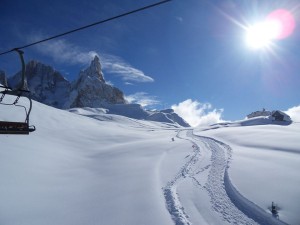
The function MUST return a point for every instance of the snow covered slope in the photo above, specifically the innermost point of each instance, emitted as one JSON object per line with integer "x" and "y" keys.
{"x": 109, "y": 169}
{"x": 265, "y": 163}
{"x": 134, "y": 111}
{"x": 80, "y": 170}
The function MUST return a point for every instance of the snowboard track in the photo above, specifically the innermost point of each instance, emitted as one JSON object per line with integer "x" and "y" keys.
{"x": 225, "y": 199}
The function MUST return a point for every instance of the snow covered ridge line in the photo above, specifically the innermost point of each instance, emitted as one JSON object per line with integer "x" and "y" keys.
{"x": 89, "y": 90}
{"x": 250, "y": 209}
{"x": 134, "y": 111}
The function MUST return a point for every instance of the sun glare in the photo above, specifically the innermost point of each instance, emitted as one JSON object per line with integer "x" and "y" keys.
{"x": 261, "y": 34}
{"x": 278, "y": 24}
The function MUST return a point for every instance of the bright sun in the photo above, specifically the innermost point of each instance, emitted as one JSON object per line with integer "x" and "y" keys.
{"x": 262, "y": 34}
{"x": 279, "y": 24}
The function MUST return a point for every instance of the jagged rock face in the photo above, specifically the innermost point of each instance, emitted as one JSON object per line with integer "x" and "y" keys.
{"x": 94, "y": 70}
{"x": 3, "y": 79}
{"x": 50, "y": 87}
{"x": 90, "y": 90}
{"x": 46, "y": 84}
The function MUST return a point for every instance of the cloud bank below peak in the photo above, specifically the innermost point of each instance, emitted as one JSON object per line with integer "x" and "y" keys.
{"x": 198, "y": 114}
{"x": 143, "y": 99}
{"x": 294, "y": 113}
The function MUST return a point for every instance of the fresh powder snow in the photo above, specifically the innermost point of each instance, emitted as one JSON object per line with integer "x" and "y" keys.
{"x": 85, "y": 166}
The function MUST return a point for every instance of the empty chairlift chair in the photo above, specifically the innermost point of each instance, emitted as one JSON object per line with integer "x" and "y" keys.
{"x": 23, "y": 127}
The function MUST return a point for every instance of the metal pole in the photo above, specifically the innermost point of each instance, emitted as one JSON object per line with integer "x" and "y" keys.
{"x": 22, "y": 85}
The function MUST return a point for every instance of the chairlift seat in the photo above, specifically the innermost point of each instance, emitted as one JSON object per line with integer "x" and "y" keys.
{"x": 15, "y": 128}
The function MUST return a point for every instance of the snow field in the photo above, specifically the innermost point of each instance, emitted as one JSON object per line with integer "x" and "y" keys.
{"x": 78, "y": 170}
{"x": 95, "y": 168}
{"x": 264, "y": 165}
{"x": 220, "y": 205}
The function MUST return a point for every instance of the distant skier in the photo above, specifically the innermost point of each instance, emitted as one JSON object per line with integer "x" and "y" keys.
{"x": 173, "y": 139}
{"x": 274, "y": 210}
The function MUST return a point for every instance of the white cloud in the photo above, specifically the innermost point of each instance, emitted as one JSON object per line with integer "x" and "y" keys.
{"x": 64, "y": 52}
{"x": 179, "y": 18}
{"x": 294, "y": 113}
{"x": 116, "y": 65}
{"x": 142, "y": 98}
{"x": 198, "y": 114}
{"x": 128, "y": 83}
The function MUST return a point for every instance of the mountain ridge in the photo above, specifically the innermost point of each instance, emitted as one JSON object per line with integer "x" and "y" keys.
{"x": 90, "y": 89}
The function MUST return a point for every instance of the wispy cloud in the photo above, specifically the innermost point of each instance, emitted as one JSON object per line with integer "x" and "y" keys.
{"x": 143, "y": 99}
{"x": 128, "y": 83}
{"x": 294, "y": 113}
{"x": 179, "y": 19}
{"x": 64, "y": 52}
{"x": 116, "y": 65}
{"x": 198, "y": 114}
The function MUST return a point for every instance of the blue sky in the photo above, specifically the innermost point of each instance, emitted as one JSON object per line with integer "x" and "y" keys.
{"x": 188, "y": 54}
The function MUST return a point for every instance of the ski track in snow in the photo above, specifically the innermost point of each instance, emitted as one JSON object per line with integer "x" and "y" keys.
{"x": 174, "y": 206}
{"x": 224, "y": 198}
{"x": 220, "y": 201}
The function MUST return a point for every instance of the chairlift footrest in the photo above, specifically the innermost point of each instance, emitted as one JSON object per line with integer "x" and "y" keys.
{"x": 15, "y": 128}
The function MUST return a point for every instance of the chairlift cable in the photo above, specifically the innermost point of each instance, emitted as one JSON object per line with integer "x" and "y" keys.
{"x": 87, "y": 26}
{"x": 9, "y": 127}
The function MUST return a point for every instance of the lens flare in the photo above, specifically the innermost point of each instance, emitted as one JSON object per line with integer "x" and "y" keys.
{"x": 279, "y": 24}
{"x": 286, "y": 21}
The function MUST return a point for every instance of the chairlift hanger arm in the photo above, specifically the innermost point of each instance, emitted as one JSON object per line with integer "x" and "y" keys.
{"x": 21, "y": 53}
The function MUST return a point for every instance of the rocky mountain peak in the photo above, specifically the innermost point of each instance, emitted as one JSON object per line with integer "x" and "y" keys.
{"x": 45, "y": 84}
{"x": 48, "y": 86}
{"x": 90, "y": 89}
{"x": 93, "y": 71}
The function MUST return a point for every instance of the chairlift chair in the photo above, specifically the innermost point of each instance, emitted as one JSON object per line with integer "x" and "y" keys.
{"x": 9, "y": 127}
